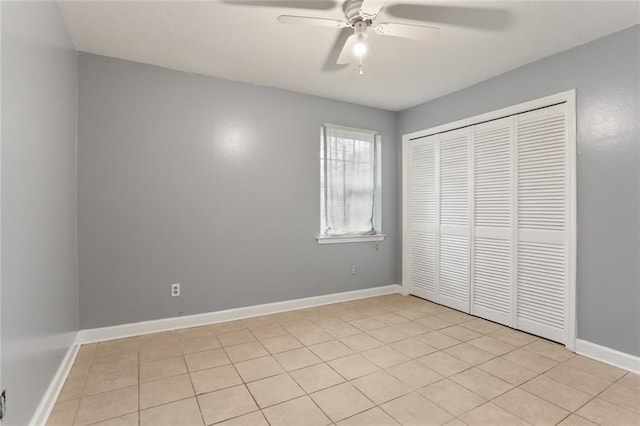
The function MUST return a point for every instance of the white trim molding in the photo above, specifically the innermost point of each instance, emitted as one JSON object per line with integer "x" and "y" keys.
{"x": 608, "y": 355}
{"x": 351, "y": 239}
{"x": 48, "y": 401}
{"x": 166, "y": 324}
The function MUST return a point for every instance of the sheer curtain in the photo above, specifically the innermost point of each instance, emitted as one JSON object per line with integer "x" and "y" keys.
{"x": 348, "y": 181}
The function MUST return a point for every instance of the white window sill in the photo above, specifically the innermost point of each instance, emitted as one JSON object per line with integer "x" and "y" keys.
{"x": 351, "y": 239}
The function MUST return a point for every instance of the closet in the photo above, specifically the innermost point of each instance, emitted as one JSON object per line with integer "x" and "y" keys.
{"x": 489, "y": 216}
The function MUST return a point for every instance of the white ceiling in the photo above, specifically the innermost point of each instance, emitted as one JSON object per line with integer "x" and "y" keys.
{"x": 246, "y": 43}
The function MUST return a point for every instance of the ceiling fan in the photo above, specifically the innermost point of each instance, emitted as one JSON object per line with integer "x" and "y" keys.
{"x": 361, "y": 16}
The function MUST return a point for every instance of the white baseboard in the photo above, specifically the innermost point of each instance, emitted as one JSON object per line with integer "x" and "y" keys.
{"x": 165, "y": 324}
{"x": 608, "y": 355}
{"x": 51, "y": 395}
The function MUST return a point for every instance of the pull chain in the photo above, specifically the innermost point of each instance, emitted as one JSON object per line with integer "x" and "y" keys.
{"x": 360, "y": 66}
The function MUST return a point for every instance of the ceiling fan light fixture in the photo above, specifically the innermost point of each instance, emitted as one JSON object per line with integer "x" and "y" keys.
{"x": 360, "y": 48}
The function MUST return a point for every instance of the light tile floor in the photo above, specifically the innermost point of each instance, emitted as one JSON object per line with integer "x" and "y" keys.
{"x": 380, "y": 361}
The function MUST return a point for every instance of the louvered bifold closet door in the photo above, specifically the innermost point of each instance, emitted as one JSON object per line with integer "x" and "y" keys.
{"x": 423, "y": 218}
{"x": 492, "y": 270}
{"x": 542, "y": 256}
{"x": 453, "y": 289}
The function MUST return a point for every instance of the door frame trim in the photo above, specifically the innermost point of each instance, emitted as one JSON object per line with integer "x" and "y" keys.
{"x": 568, "y": 97}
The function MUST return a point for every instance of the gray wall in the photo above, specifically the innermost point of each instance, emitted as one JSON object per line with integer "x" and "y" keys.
{"x": 39, "y": 202}
{"x": 606, "y": 76}
{"x": 212, "y": 184}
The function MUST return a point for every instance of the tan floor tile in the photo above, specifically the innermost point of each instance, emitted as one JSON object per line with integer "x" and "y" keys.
{"x": 414, "y": 374}
{"x": 631, "y": 381}
{"x": 412, "y": 328}
{"x": 283, "y": 343}
{"x": 312, "y": 336}
{"x": 388, "y": 334}
{"x": 160, "y": 339}
{"x": 361, "y": 342}
{"x": 165, "y": 390}
{"x": 341, "y": 329}
{"x": 86, "y": 352}
{"x": 455, "y": 317}
{"x": 300, "y": 411}
{"x": 491, "y": 415}
{"x": 390, "y": 318}
{"x": 63, "y": 413}
{"x": 557, "y": 393}
{"x": 385, "y": 356}
{"x": 268, "y": 331}
{"x": 191, "y": 332}
{"x": 491, "y": 345}
{"x": 184, "y": 413}
{"x": 413, "y": 347}
{"x": 208, "y": 359}
{"x": 80, "y": 368}
{"x": 381, "y": 387}
{"x": 373, "y": 417}
{"x": 128, "y": 420}
{"x": 252, "y": 419}
{"x": 213, "y": 379}
{"x": 576, "y": 420}
{"x": 482, "y": 383}
{"x": 226, "y": 404}
{"x": 330, "y": 350}
{"x": 444, "y": 363}
{"x": 508, "y": 371}
{"x": 452, "y": 397}
{"x": 316, "y": 377}
{"x": 514, "y": 337}
{"x": 482, "y": 326}
{"x": 107, "y": 405}
{"x": 163, "y": 368}
{"x": 102, "y": 381}
{"x": 341, "y": 401}
{"x": 297, "y": 358}
{"x": 233, "y": 338}
{"x": 115, "y": 361}
{"x": 531, "y": 408}
{"x": 622, "y": 397}
{"x": 367, "y": 324}
{"x": 353, "y": 366}
{"x": 469, "y": 354}
{"x": 199, "y": 344}
{"x": 438, "y": 340}
{"x": 549, "y": 350}
{"x": 117, "y": 345}
{"x": 434, "y": 322}
{"x": 460, "y": 333}
{"x": 155, "y": 353}
{"x": 245, "y": 351}
{"x": 578, "y": 379}
{"x": 530, "y": 360}
{"x": 350, "y": 314}
{"x": 414, "y": 409}
{"x": 411, "y": 313}
{"x": 596, "y": 368}
{"x": 72, "y": 388}
{"x": 258, "y": 368}
{"x": 274, "y": 390}
{"x": 605, "y": 413}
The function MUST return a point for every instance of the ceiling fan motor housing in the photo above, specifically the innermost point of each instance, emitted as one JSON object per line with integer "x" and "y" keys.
{"x": 351, "y": 9}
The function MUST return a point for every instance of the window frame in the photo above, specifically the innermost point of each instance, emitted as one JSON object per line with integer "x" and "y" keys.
{"x": 377, "y": 191}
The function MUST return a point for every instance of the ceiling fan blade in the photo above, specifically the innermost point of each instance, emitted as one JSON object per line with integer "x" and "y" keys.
{"x": 331, "y": 61}
{"x": 473, "y": 17}
{"x": 370, "y": 8}
{"x": 293, "y": 4}
{"x": 346, "y": 54}
{"x": 414, "y": 32}
{"x": 308, "y": 20}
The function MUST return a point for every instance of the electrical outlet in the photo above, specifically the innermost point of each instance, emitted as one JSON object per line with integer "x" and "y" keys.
{"x": 175, "y": 290}
{"x": 354, "y": 270}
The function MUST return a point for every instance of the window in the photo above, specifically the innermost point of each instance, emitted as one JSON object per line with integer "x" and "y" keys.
{"x": 349, "y": 185}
